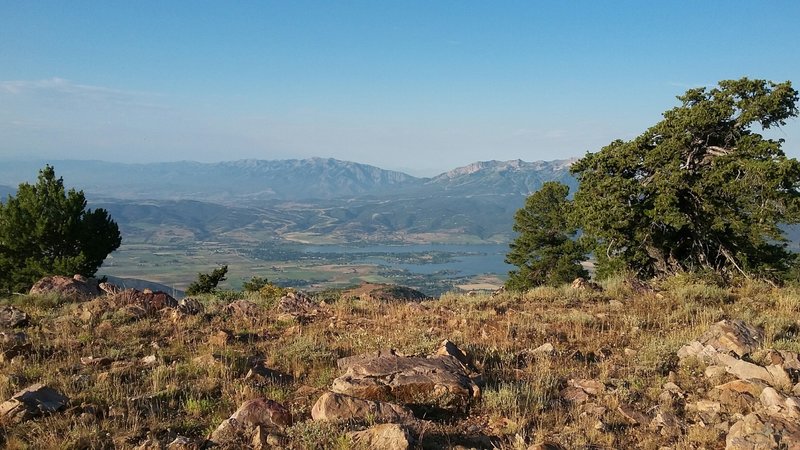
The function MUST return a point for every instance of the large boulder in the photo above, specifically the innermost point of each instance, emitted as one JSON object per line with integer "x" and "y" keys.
{"x": 437, "y": 383}
{"x": 11, "y": 317}
{"x": 31, "y": 402}
{"x": 332, "y": 407}
{"x": 257, "y": 416}
{"x": 76, "y": 287}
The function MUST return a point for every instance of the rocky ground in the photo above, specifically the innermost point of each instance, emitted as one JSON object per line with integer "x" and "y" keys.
{"x": 677, "y": 364}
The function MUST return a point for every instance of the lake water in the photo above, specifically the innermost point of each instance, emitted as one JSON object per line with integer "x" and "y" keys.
{"x": 460, "y": 260}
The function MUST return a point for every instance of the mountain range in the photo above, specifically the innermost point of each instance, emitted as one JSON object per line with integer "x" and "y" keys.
{"x": 296, "y": 199}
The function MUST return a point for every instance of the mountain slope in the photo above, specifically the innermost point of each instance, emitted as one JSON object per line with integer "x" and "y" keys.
{"x": 503, "y": 177}
{"x": 245, "y": 180}
{"x": 253, "y": 200}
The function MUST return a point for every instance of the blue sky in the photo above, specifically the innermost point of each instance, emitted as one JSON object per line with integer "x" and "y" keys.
{"x": 418, "y": 86}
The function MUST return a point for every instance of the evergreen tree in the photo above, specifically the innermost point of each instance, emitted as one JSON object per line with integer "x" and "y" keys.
{"x": 206, "y": 283}
{"x": 701, "y": 190}
{"x": 46, "y": 230}
{"x": 545, "y": 251}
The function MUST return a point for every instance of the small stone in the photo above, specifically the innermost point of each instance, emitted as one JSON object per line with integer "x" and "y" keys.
{"x": 12, "y": 317}
{"x": 96, "y": 362}
{"x": 221, "y": 338}
{"x": 632, "y": 416}
{"x": 544, "y": 349}
{"x": 616, "y": 304}
{"x": 149, "y": 360}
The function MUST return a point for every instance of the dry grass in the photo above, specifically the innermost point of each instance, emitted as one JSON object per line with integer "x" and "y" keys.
{"x": 624, "y": 338}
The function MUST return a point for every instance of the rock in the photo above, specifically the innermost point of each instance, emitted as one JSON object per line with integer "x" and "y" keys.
{"x": 593, "y": 409}
{"x": 149, "y": 360}
{"x": 110, "y": 289}
{"x": 591, "y": 387}
{"x": 733, "y": 336}
{"x": 763, "y": 431}
{"x": 579, "y": 391}
{"x": 694, "y": 349}
{"x": 666, "y": 423}
{"x": 738, "y": 395}
{"x": 632, "y": 416}
{"x": 251, "y": 416}
{"x": 95, "y": 362}
{"x": 242, "y": 308}
{"x": 184, "y": 443}
{"x": 707, "y": 410}
{"x": 76, "y": 287}
{"x": 260, "y": 371}
{"x": 574, "y": 395}
{"x": 438, "y": 382}
{"x": 715, "y": 371}
{"x": 447, "y": 348}
{"x": 151, "y": 443}
{"x": 31, "y": 402}
{"x": 780, "y": 404}
{"x": 190, "y": 306}
{"x": 389, "y": 436}
{"x": 11, "y": 317}
{"x": 13, "y": 344}
{"x": 221, "y": 338}
{"x": 544, "y": 349}
{"x": 150, "y": 302}
{"x": 333, "y": 407}
{"x": 298, "y": 307}
{"x": 773, "y": 375}
{"x": 585, "y": 285}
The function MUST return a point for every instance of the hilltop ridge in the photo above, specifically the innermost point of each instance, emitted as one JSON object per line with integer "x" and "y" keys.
{"x": 252, "y": 181}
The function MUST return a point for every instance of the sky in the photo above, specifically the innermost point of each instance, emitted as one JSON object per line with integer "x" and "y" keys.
{"x": 418, "y": 86}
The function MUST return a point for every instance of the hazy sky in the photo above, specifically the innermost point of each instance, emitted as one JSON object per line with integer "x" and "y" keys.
{"x": 418, "y": 86}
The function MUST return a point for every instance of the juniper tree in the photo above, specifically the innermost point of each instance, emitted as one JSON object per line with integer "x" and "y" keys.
{"x": 700, "y": 190}
{"x": 545, "y": 251}
{"x": 47, "y": 230}
{"x": 206, "y": 283}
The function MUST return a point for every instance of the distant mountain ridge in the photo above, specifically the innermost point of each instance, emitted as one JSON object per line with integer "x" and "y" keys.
{"x": 287, "y": 180}
{"x": 343, "y": 201}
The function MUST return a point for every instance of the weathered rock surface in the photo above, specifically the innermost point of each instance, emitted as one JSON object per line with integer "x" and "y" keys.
{"x": 580, "y": 391}
{"x": 439, "y": 382}
{"x": 252, "y": 417}
{"x": 333, "y": 407}
{"x": 31, "y": 402}
{"x": 150, "y": 302}
{"x": 763, "y": 431}
{"x": 190, "y": 306}
{"x": 731, "y": 336}
{"x": 11, "y": 317}
{"x": 13, "y": 344}
{"x": 76, "y": 287}
{"x": 585, "y": 285}
{"x": 260, "y": 371}
{"x": 242, "y": 308}
{"x": 389, "y": 436}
